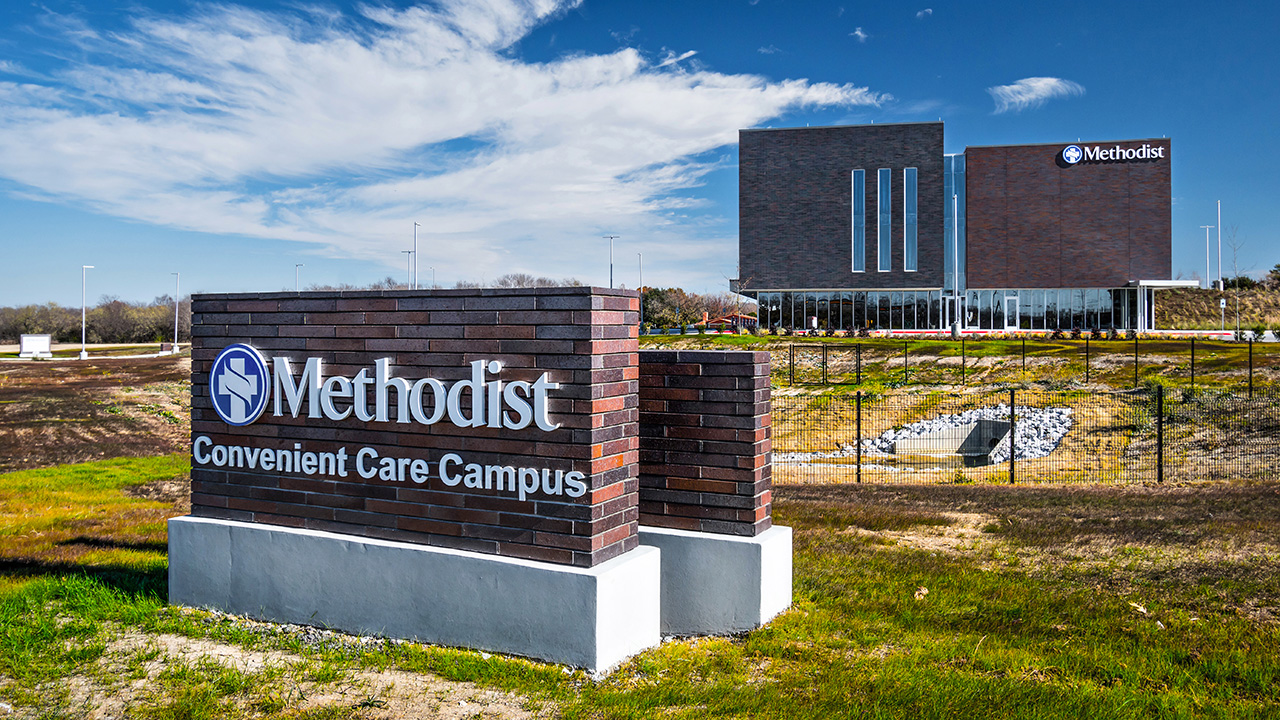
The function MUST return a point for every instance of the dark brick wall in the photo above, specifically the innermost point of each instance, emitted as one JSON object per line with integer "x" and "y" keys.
{"x": 795, "y": 224}
{"x": 705, "y": 441}
{"x": 584, "y": 337}
{"x": 1033, "y": 222}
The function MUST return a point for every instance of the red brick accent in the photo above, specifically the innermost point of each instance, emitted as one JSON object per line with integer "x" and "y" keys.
{"x": 705, "y": 441}
{"x": 584, "y": 338}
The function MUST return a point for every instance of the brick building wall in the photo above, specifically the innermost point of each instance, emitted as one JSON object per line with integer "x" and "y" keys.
{"x": 705, "y": 441}
{"x": 584, "y": 338}
{"x": 1034, "y": 221}
{"x": 795, "y": 205}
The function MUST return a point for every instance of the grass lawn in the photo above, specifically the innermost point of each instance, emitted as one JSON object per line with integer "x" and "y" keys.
{"x": 913, "y": 602}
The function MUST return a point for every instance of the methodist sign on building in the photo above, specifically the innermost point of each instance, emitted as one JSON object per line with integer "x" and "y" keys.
{"x": 465, "y": 467}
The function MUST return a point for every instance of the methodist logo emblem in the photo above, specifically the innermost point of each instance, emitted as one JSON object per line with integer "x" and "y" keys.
{"x": 238, "y": 384}
{"x": 1072, "y": 154}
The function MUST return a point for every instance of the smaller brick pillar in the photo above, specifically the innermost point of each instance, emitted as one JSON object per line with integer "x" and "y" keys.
{"x": 705, "y": 441}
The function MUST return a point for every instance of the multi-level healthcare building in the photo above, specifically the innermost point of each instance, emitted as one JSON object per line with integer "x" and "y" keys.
{"x": 873, "y": 226}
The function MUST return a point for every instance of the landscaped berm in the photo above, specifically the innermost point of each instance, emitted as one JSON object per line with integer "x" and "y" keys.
{"x": 912, "y": 601}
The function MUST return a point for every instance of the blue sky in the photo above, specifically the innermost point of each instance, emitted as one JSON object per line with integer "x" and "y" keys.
{"x": 230, "y": 141}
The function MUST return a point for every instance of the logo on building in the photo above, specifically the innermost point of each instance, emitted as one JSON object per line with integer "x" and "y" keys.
{"x": 239, "y": 384}
{"x": 1091, "y": 154}
{"x": 1072, "y": 154}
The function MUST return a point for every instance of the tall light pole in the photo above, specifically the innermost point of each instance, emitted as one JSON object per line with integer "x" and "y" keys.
{"x": 177, "y": 294}
{"x": 1220, "y": 245}
{"x": 415, "y": 256}
{"x": 955, "y": 263}
{"x": 409, "y": 256}
{"x": 296, "y": 275}
{"x": 433, "y": 277}
{"x": 611, "y": 238}
{"x": 84, "y": 273}
{"x": 1208, "y": 282}
{"x": 640, "y": 259}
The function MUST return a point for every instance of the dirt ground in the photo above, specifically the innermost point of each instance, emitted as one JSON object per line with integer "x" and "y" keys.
{"x": 56, "y": 412}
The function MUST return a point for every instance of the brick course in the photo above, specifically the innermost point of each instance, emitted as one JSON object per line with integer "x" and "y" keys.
{"x": 584, "y": 338}
{"x": 705, "y": 441}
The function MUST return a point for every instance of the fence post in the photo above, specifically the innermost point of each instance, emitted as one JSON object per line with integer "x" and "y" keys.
{"x": 1251, "y": 368}
{"x": 1193, "y": 363}
{"x": 1013, "y": 437}
{"x": 906, "y": 362}
{"x": 1086, "y": 361}
{"x": 824, "y": 363}
{"x": 1159, "y": 433}
{"x": 858, "y": 433}
{"x": 792, "y": 378}
{"x": 1135, "y": 361}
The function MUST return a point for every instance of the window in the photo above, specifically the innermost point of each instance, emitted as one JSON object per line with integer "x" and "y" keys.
{"x": 909, "y": 219}
{"x": 884, "y": 220}
{"x": 859, "y": 197}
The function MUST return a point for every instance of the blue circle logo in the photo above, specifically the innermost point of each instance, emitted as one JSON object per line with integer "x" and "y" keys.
{"x": 1072, "y": 154}
{"x": 238, "y": 384}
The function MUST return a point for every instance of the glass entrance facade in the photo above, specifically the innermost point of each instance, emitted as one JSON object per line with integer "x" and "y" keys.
{"x": 1047, "y": 310}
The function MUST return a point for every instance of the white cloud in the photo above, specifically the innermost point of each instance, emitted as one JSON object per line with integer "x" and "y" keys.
{"x": 924, "y": 13}
{"x": 1032, "y": 93}
{"x": 341, "y": 131}
{"x": 769, "y": 50}
{"x": 858, "y": 33}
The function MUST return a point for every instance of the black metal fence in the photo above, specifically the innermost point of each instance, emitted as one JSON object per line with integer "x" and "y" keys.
{"x": 1245, "y": 366}
{"x": 1136, "y": 436}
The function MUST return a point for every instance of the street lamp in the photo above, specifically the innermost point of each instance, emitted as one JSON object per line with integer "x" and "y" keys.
{"x": 177, "y": 293}
{"x": 409, "y": 256}
{"x": 1220, "y": 246}
{"x": 84, "y": 355}
{"x": 295, "y": 275}
{"x": 433, "y": 277}
{"x": 415, "y": 256}
{"x": 611, "y": 238}
{"x": 1207, "y": 281}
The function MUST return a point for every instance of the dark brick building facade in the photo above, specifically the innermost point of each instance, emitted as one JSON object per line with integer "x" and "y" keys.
{"x": 1050, "y": 236}
{"x": 1035, "y": 221}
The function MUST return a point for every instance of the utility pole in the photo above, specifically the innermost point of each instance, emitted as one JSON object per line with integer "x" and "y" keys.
{"x": 409, "y": 256}
{"x": 611, "y": 238}
{"x": 414, "y": 282}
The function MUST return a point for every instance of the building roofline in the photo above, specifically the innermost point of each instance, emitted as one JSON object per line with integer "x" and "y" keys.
{"x": 1063, "y": 143}
{"x": 837, "y": 127}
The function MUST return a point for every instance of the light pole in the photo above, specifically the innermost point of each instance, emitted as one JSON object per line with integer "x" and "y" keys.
{"x": 84, "y": 273}
{"x": 296, "y": 267}
{"x": 1220, "y": 246}
{"x": 955, "y": 264}
{"x": 415, "y": 256}
{"x": 177, "y": 294}
{"x": 433, "y": 277}
{"x": 409, "y": 256}
{"x": 1207, "y": 281}
{"x": 640, "y": 260}
{"x": 611, "y": 238}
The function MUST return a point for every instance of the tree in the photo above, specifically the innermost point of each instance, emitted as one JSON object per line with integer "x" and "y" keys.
{"x": 1271, "y": 280}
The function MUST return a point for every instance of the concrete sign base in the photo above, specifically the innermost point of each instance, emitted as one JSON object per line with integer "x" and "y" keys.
{"x": 586, "y": 617}
{"x": 716, "y": 584}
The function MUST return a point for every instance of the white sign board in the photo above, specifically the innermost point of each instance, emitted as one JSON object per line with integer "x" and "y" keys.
{"x": 34, "y": 346}
{"x": 1222, "y": 303}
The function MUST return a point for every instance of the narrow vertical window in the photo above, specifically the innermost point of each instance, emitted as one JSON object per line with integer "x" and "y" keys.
{"x": 859, "y": 197}
{"x": 909, "y": 219}
{"x": 884, "y": 220}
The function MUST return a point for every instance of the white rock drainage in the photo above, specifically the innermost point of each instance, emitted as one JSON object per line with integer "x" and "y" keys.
{"x": 1039, "y": 431}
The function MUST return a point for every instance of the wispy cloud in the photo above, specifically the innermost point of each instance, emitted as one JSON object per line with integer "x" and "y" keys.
{"x": 924, "y": 13}
{"x": 769, "y": 50}
{"x": 860, "y": 34}
{"x": 340, "y": 131}
{"x": 1032, "y": 93}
